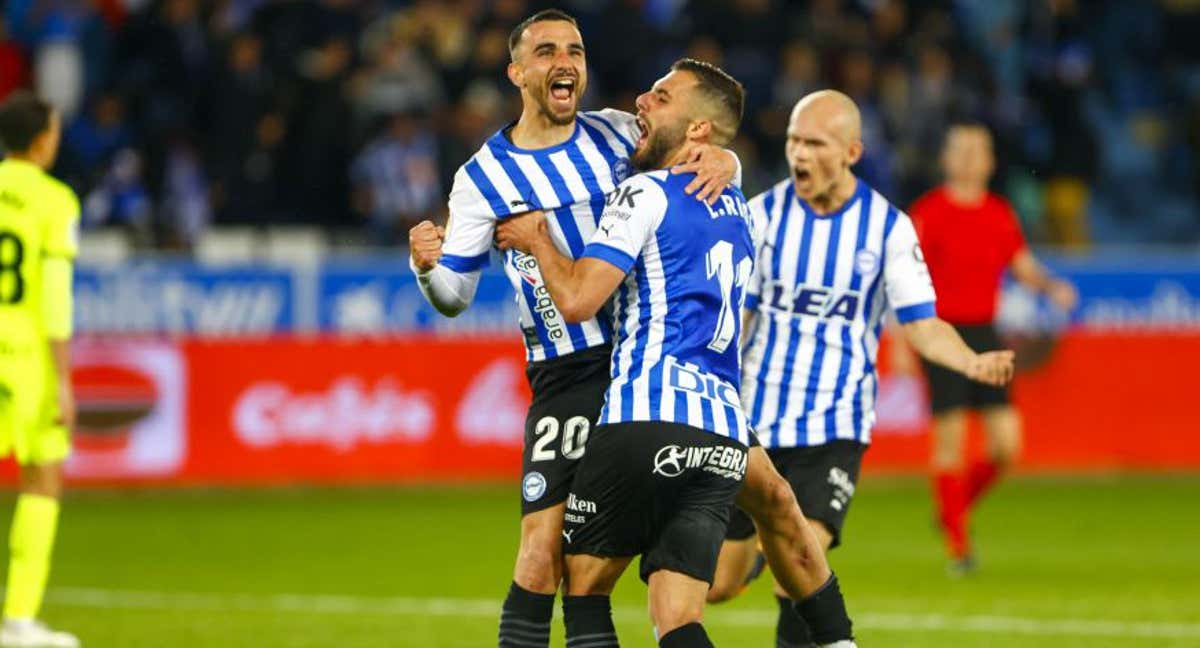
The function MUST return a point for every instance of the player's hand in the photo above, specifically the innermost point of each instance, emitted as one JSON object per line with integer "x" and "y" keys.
{"x": 1062, "y": 294}
{"x": 993, "y": 368}
{"x": 425, "y": 244}
{"x": 519, "y": 232}
{"x": 66, "y": 404}
{"x": 714, "y": 168}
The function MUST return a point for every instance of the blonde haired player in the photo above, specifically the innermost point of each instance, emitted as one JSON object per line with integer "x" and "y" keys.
{"x": 38, "y": 221}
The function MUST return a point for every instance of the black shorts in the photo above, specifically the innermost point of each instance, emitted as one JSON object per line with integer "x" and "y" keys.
{"x": 823, "y": 477}
{"x": 951, "y": 390}
{"x": 662, "y": 490}
{"x": 568, "y": 393}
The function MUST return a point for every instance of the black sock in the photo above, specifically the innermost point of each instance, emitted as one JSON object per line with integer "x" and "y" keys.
{"x": 825, "y": 613}
{"x": 691, "y": 635}
{"x": 791, "y": 631}
{"x": 525, "y": 618}
{"x": 589, "y": 622}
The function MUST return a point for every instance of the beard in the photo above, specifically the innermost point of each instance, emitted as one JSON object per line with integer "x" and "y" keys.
{"x": 543, "y": 101}
{"x": 658, "y": 147}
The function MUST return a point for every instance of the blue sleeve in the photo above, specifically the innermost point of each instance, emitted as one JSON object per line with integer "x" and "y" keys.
{"x": 610, "y": 254}
{"x": 459, "y": 263}
{"x": 915, "y": 312}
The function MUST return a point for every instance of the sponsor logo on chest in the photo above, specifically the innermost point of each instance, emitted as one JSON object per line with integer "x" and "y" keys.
{"x": 543, "y": 307}
{"x": 823, "y": 302}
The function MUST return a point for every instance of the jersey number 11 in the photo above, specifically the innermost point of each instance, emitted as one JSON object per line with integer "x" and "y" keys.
{"x": 719, "y": 263}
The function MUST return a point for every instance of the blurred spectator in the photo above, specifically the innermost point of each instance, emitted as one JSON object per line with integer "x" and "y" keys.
{"x": 858, "y": 81}
{"x": 396, "y": 178}
{"x": 120, "y": 198}
{"x": 185, "y": 210}
{"x": 1092, "y": 103}
{"x": 889, "y": 25}
{"x": 249, "y": 191}
{"x": 935, "y": 101}
{"x": 317, "y": 151}
{"x": 1059, "y": 80}
{"x": 167, "y": 60}
{"x": 242, "y": 95}
{"x": 396, "y": 76}
{"x": 480, "y": 113}
{"x": 93, "y": 138}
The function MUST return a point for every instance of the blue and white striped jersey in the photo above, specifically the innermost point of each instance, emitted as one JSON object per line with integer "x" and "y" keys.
{"x": 821, "y": 285}
{"x": 678, "y": 312}
{"x": 569, "y": 181}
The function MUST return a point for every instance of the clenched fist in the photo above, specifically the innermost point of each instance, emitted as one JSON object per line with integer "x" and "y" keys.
{"x": 425, "y": 244}
{"x": 994, "y": 368}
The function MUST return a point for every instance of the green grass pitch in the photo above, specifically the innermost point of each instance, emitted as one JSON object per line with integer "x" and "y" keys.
{"x": 1064, "y": 562}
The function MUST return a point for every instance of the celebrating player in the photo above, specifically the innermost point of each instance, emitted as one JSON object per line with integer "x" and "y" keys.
{"x": 38, "y": 222}
{"x": 564, "y": 162}
{"x": 970, "y": 236}
{"x": 669, "y": 455}
{"x": 835, "y": 256}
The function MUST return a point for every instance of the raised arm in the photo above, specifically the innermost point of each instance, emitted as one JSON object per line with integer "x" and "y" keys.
{"x": 447, "y": 289}
{"x": 447, "y": 261}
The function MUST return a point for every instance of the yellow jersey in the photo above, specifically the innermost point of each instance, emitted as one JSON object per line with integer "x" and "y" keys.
{"x": 39, "y": 218}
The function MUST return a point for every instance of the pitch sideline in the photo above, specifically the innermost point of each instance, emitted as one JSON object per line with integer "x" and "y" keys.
{"x": 340, "y": 604}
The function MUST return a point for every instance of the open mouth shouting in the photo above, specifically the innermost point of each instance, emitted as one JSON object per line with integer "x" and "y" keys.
{"x": 644, "y": 133}
{"x": 562, "y": 92}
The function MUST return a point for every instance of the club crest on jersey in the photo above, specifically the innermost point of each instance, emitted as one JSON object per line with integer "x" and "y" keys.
{"x": 866, "y": 262}
{"x": 816, "y": 301}
{"x": 533, "y": 486}
{"x": 621, "y": 170}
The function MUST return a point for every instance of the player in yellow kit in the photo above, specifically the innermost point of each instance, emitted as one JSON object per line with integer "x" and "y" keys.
{"x": 39, "y": 217}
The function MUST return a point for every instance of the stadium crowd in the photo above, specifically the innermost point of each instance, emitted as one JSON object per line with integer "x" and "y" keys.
{"x": 354, "y": 114}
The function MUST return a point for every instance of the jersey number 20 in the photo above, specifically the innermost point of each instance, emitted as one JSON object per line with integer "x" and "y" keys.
{"x": 574, "y": 437}
{"x": 719, "y": 263}
{"x": 12, "y": 254}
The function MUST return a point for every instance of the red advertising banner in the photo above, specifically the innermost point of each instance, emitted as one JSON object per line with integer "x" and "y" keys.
{"x": 412, "y": 409}
{"x": 1098, "y": 401}
{"x": 418, "y": 409}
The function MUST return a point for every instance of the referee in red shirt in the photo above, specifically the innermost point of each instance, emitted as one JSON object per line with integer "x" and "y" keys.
{"x": 970, "y": 236}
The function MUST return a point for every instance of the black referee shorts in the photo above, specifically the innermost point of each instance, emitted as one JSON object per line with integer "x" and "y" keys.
{"x": 949, "y": 390}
